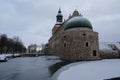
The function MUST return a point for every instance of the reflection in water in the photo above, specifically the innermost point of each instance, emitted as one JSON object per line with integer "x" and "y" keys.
{"x": 57, "y": 66}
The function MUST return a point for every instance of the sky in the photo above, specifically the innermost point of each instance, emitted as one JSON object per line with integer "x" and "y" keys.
{"x": 33, "y": 20}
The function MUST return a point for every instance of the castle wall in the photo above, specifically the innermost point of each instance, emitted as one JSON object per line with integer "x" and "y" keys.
{"x": 75, "y": 39}
{"x": 109, "y": 55}
{"x": 76, "y": 44}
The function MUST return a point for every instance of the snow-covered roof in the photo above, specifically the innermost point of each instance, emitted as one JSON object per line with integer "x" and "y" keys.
{"x": 109, "y": 46}
{"x": 117, "y": 44}
{"x": 78, "y": 22}
{"x": 58, "y": 22}
{"x": 103, "y": 46}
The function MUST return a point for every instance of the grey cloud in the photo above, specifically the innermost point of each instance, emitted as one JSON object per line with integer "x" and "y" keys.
{"x": 33, "y": 20}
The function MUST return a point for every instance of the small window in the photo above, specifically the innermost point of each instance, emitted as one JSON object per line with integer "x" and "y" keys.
{"x": 76, "y": 53}
{"x": 86, "y": 44}
{"x": 114, "y": 49}
{"x": 84, "y": 34}
{"x": 94, "y": 53}
{"x": 65, "y": 45}
{"x": 64, "y": 37}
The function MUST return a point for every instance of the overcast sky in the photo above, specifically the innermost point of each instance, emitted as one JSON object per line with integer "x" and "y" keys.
{"x": 32, "y": 20}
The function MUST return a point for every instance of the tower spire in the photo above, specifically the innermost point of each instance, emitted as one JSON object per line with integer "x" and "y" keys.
{"x": 59, "y": 11}
{"x": 59, "y": 17}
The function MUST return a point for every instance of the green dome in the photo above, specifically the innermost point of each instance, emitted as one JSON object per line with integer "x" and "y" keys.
{"x": 77, "y": 22}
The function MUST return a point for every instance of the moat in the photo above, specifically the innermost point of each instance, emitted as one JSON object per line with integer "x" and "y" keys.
{"x": 30, "y": 68}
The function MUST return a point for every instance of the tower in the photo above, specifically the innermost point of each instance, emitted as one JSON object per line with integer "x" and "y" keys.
{"x": 74, "y": 39}
{"x": 59, "y": 20}
{"x": 59, "y": 17}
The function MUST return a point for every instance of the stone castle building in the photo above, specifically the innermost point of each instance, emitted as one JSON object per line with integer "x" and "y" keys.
{"x": 74, "y": 38}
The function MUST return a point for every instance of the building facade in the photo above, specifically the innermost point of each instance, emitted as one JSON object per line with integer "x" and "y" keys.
{"x": 32, "y": 48}
{"x": 74, "y": 38}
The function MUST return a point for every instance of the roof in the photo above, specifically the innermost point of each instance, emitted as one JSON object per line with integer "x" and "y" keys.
{"x": 105, "y": 46}
{"x": 77, "y": 22}
{"x": 117, "y": 45}
{"x": 59, "y": 12}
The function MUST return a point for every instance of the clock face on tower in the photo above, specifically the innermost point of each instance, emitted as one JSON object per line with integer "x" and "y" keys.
{"x": 59, "y": 19}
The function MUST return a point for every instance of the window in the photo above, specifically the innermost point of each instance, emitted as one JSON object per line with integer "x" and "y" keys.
{"x": 64, "y": 37}
{"x": 114, "y": 49}
{"x": 65, "y": 45}
{"x": 84, "y": 34}
{"x": 86, "y": 44}
{"x": 94, "y": 53}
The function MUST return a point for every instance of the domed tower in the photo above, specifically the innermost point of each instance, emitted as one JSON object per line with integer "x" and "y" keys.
{"x": 79, "y": 41}
{"x": 75, "y": 38}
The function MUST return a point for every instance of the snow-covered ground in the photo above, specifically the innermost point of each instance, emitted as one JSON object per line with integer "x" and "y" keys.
{"x": 89, "y": 70}
{"x": 2, "y": 57}
{"x": 10, "y": 54}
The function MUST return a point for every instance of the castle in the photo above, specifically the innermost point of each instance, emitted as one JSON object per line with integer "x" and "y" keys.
{"x": 75, "y": 39}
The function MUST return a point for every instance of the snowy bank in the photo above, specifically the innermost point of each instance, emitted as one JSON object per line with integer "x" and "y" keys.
{"x": 89, "y": 70}
{"x": 11, "y": 55}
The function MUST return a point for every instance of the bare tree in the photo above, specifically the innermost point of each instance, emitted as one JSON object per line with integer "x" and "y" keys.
{"x": 9, "y": 45}
{"x": 3, "y": 43}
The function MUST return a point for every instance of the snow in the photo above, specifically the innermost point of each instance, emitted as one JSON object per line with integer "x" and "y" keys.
{"x": 89, "y": 70}
{"x": 2, "y": 57}
{"x": 77, "y": 18}
{"x": 117, "y": 45}
{"x": 103, "y": 46}
{"x": 58, "y": 23}
{"x": 9, "y": 55}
